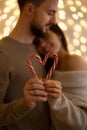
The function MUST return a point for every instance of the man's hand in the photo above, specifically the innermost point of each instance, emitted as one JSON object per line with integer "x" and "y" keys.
{"x": 34, "y": 91}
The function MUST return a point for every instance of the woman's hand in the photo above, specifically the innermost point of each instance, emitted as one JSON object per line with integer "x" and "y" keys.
{"x": 53, "y": 88}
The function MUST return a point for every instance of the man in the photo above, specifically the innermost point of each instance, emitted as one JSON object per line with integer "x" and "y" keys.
{"x": 35, "y": 16}
{"x": 23, "y": 99}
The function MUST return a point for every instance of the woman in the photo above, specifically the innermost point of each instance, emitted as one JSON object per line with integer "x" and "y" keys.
{"x": 69, "y": 112}
{"x": 55, "y": 41}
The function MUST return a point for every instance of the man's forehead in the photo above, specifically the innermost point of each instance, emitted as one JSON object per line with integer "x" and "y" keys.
{"x": 50, "y": 4}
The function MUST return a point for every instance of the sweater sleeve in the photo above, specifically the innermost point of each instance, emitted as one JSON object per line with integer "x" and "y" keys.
{"x": 66, "y": 115}
{"x": 14, "y": 110}
{"x": 69, "y": 111}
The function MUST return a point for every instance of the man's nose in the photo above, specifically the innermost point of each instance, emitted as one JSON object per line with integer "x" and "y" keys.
{"x": 53, "y": 19}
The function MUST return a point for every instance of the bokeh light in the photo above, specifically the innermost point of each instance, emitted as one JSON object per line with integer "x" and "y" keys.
{"x": 74, "y": 25}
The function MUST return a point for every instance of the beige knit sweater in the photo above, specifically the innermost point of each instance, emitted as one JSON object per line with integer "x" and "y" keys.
{"x": 69, "y": 112}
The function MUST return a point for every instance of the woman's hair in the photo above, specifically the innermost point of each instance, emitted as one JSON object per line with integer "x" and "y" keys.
{"x": 22, "y": 3}
{"x": 58, "y": 31}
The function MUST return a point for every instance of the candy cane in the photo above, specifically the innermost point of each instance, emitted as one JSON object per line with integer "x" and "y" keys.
{"x": 49, "y": 54}
{"x": 55, "y": 56}
{"x": 30, "y": 64}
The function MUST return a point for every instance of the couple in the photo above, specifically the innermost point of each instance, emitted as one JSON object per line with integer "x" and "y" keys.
{"x": 30, "y": 103}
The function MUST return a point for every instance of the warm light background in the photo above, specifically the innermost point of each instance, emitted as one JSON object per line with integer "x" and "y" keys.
{"x": 71, "y": 17}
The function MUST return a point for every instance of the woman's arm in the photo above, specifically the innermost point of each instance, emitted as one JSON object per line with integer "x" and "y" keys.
{"x": 65, "y": 115}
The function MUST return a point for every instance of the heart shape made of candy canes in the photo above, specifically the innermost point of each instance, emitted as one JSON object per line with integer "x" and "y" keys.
{"x": 49, "y": 54}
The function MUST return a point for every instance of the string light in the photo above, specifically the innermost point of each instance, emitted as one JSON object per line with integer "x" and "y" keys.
{"x": 75, "y": 21}
{"x": 71, "y": 17}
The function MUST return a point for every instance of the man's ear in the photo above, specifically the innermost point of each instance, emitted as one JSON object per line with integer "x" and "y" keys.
{"x": 29, "y": 8}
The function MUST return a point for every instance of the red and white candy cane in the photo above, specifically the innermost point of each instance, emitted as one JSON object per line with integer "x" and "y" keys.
{"x": 49, "y": 54}
{"x": 55, "y": 56}
{"x": 30, "y": 63}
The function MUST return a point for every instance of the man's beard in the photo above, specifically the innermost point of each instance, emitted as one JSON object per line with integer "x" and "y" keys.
{"x": 37, "y": 31}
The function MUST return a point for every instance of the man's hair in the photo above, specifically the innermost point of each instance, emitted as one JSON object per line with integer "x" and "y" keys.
{"x": 22, "y": 3}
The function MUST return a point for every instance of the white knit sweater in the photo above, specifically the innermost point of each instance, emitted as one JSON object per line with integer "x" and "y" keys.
{"x": 69, "y": 112}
